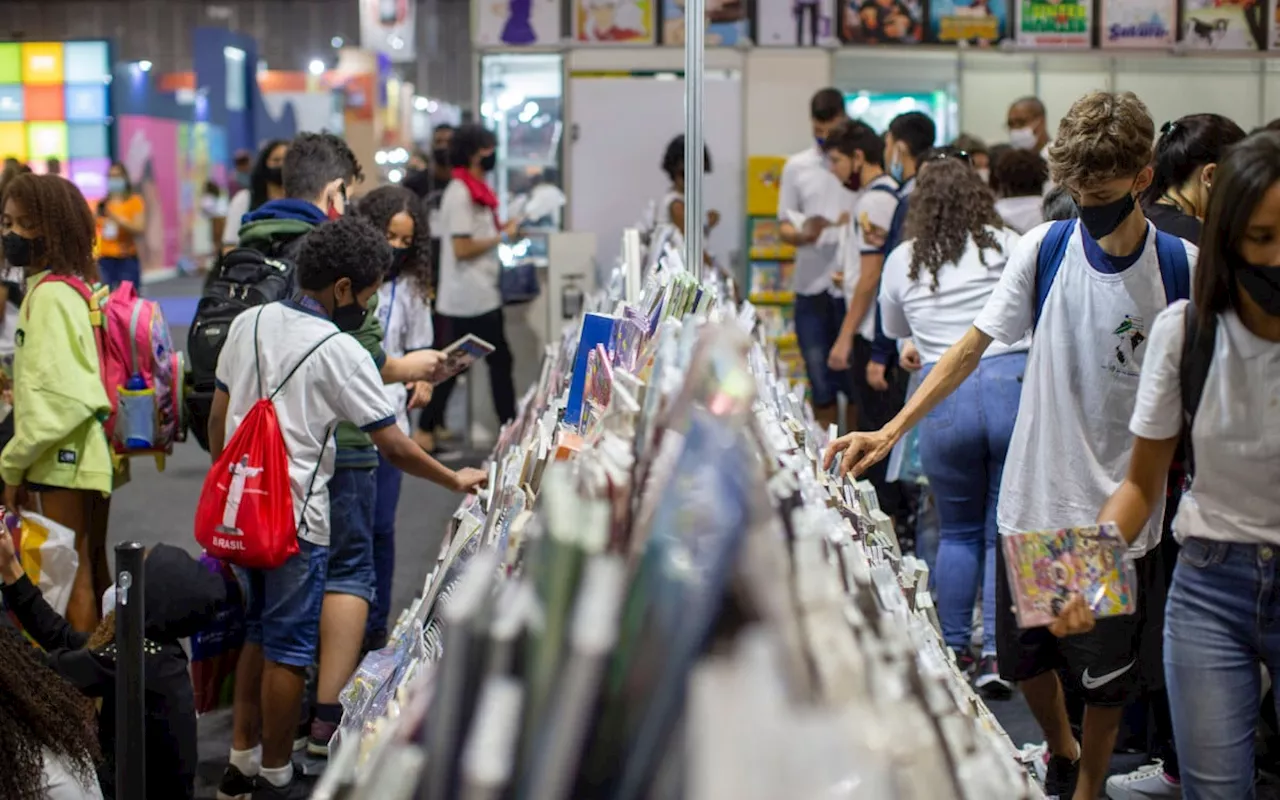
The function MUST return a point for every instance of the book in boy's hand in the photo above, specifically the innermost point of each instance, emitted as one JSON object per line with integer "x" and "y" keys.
{"x": 1046, "y": 567}
{"x": 459, "y": 356}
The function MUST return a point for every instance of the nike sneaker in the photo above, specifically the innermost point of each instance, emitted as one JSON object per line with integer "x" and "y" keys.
{"x": 1060, "y": 776}
{"x": 1146, "y": 783}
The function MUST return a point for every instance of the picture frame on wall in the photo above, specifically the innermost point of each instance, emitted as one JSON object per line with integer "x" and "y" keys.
{"x": 881, "y": 21}
{"x": 980, "y": 22}
{"x": 614, "y": 21}
{"x": 1225, "y": 24}
{"x": 795, "y": 23}
{"x": 1056, "y": 24}
{"x": 1138, "y": 23}
{"x": 516, "y": 23}
{"x": 728, "y": 22}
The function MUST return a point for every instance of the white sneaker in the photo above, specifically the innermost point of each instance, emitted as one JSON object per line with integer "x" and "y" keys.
{"x": 1144, "y": 783}
{"x": 1035, "y": 757}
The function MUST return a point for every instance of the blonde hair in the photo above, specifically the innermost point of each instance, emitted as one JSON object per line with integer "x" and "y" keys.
{"x": 1105, "y": 135}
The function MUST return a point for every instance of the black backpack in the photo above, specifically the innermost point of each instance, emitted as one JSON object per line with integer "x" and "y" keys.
{"x": 1199, "y": 338}
{"x": 243, "y": 278}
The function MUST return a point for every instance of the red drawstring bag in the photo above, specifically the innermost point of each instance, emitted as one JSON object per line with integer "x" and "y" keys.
{"x": 245, "y": 515}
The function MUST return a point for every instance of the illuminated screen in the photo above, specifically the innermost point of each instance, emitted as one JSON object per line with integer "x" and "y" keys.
{"x": 55, "y": 102}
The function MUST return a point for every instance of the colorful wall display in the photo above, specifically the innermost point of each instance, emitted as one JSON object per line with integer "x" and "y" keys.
{"x": 55, "y": 103}
{"x": 794, "y": 23}
{"x": 975, "y": 21}
{"x": 614, "y": 21}
{"x": 881, "y": 21}
{"x": 727, "y": 22}
{"x": 1055, "y": 23}
{"x": 1224, "y": 24}
{"x": 516, "y": 23}
{"x": 153, "y": 151}
{"x": 1138, "y": 23}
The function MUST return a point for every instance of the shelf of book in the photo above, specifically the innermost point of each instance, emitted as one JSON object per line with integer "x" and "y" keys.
{"x": 771, "y": 263}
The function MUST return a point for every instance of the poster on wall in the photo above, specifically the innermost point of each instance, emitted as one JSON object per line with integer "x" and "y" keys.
{"x": 1224, "y": 24}
{"x": 614, "y": 21}
{"x": 794, "y": 23}
{"x": 386, "y": 26}
{"x": 1139, "y": 23}
{"x": 881, "y": 21}
{"x": 517, "y": 23}
{"x": 975, "y": 21}
{"x": 1055, "y": 23}
{"x": 727, "y": 22}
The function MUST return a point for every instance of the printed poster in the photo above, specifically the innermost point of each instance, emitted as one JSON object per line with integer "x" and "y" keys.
{"x": 1055, "y": 23}
{"x": 1224, "y": 24}
{"x": 610, "y": 21}
{"x": 881, "y": 21}
{"x": 516, "y": 23}
{"x": 727, "y": 22}
{"x": 1139, "y": 23}
{"x": 386, "y": 26}
{"x": 974, "y": 21}
{"x": 795, "y": 23}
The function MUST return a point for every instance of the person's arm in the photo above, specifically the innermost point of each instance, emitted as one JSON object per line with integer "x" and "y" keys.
{"x": 789, "y": 199}
{"x": 466, "y": 248}
{"x": 25, "y": 600}
{"x": 420, "y": 365}
{"x": 134, "y": 220}
{"x": 1131, "y": 505}
{"x": 864, "y": 296}
{"x": 410, "y": 458}
{"x": 218, "y": 422}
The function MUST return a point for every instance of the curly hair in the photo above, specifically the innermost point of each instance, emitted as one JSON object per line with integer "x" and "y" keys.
{"x": 950, "y": 206}
{"x": 1105, "y": 135}
{"x": 40, "y": 713}
{"x": 54, "y": 207}
{"x": 383, "y": 203}
{"x": 348, "y": 247}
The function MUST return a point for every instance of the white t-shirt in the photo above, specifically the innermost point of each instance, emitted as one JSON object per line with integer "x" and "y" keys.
{"x": 1235, "y": 494}
{"x": 1071, "y": 443}
{"x": 935, "y": 320}
{"x": 1021, "y": 213}
{"x": 406, "y": 326}
{"x": 874, "y": 209}
{"x": 809, "y": 188}
{"x": 467, "y": 288}
{"x": 60, "y": 783}
{"x": 236, "y": 209}
{"x": 337, "y": 383}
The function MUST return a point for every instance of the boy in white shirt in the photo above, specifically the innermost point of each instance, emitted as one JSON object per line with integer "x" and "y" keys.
{"x": 1070, "y": 444}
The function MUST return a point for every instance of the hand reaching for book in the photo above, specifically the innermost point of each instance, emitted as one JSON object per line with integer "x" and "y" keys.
{"x": 469, "y": 480}
{"x": 858, "y": 452}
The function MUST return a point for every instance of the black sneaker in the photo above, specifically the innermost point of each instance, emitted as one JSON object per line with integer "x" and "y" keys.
{"x": 1059, "y": 778}
{"x": 235, "y": 785}
{"x": 298, "y": 788}
{"x": 988, "y": 682}
{"x": 964, "y": 660}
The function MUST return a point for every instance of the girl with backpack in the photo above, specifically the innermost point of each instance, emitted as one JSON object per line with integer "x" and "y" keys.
{"x": 59, "y": 461}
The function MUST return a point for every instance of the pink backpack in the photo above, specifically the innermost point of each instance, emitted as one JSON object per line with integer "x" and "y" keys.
{"x": 133, "y": 340}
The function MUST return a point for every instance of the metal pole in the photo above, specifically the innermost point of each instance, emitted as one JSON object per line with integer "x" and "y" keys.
{"x": 131, "y": 756}
{"x": 695, "y": 29}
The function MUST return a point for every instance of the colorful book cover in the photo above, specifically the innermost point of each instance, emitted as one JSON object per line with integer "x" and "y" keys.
{"x": 613, "y": 21}
{"x": 1046, "y": 567}
{"x": 1224, "y": 24}
{"x": 764, "y": 180}
{"x": 1055, "y": 23}
{"x": 974, "y": 21}
{"x": 794, "y": 23}
{"x": 881, "y": 21}
{"x": 728, "y": 22}
{"x": 596, "y": 329}
{"x": 1138, "y": 23}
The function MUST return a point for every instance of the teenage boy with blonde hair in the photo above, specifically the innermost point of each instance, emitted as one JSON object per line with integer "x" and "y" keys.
{"x": 1089, "y": 290}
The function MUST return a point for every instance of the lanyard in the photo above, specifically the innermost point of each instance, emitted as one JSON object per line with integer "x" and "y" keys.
{"x": 391, "y": 308}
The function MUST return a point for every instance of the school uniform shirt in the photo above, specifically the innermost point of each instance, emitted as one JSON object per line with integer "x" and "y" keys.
{"x": 338, "y": 382}
{"x": 236, "y": 209}
{"x": 61, "y": 782}
{"x": 809, "y": 188}
{"x": 1236, "y": 433}
{"x": 407, "y": 326}
{"x": 468, "y": 288}
{"x": 937, "y": 319}
{"x": 1174, "y": 222}
{"x": 1021, "y": 213}
{"x": 874, "y": 209}
{"x": 1071, "y": 443}
{"x": 113, "y": 240}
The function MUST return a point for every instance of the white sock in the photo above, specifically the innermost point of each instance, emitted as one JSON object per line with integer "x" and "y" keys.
{"x": 277, "y": 776}
{"x": 247, "y": 761}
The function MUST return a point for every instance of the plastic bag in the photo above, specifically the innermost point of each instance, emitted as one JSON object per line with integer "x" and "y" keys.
{"x": 47, "y": 550}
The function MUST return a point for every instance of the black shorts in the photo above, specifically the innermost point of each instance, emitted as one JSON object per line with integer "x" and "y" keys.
{"x": 1116, "y": 662}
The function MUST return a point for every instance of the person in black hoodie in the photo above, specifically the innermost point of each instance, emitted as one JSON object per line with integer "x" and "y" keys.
{"x": 181, "y": 598}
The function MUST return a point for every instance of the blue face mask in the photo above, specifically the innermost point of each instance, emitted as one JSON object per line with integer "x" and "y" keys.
{"x": 116, "y": 185}
{"x": 821, "y": 140}
{"x": 897, "y": 170}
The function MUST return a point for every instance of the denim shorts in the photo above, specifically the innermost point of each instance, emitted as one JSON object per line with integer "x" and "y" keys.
{"x": 282, "y": 605}
{"x": 352, "y": 502}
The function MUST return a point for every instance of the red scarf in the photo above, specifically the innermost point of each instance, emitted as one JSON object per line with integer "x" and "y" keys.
{"x": 481, "y": 194}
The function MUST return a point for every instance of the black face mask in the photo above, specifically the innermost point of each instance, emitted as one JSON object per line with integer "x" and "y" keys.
{"x": 275, "y": 175}
{"x": 1262, "y": 284}
{"x": 1102, "y": 220}
{"x": 348, "y": 318}
{"x": 489, "y": 162}
{"x": 440, "y": 157}
{"x": 399, "y": 255}
{"x": 20, "y": 251}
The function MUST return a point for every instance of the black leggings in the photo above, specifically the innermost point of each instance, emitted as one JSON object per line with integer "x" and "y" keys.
{"x": 490, "y": 328}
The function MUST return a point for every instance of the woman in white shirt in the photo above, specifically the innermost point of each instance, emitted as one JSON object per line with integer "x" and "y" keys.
{"x": 934, "y": 285}
{"x": 1223, "y": 612}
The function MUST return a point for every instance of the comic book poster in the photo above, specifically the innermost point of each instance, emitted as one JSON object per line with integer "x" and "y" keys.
{"x": 727, "y": 22}
{"x": 614, "y": 21}
{"x": 1224, "y": 24}
{"x": 975, "y": 21}
{"x": 795, "y": 23}
{"x": 1055, "y": 23}
{"x": 516, "y": 23}
{"x": 881, "y": 21}
{"x": 1138, "y": 23}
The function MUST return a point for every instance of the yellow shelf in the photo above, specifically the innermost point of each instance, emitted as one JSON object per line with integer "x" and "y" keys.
{"x": 786, "y": 341}
{"x": 780, "y": 253}
{"x": 773, "y": 298}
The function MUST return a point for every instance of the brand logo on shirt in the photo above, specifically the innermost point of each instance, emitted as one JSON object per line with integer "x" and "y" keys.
{"x": 1130, "y": 333}
{"x": 66, "y": 456}
{"x": 19, "y": 337}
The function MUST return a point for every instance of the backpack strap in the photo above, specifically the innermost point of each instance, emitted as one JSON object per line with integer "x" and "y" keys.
{"x": 1198, "y": 340}
{"x": 1053, "y": 248}
{"x": 257, "y": 356}
{"x": 1175, "y": 272}
{"x": 96, "y": 321}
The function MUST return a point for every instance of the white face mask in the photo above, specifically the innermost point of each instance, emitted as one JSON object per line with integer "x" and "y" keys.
{"x": 109, "y": 600}
{"x": 1022, "y": 138}
{"x": 985, "y": 174}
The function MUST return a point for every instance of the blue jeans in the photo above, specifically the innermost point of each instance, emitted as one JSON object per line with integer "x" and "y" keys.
{"x": 1222, "y": 624}
{"x": 384, "y": 544}
{"x": 962, "y": 449}
{"x": 114, "y": 271}
{"x": 282, "y": 605}
{"x": 818, "y": 318}
{"x": 351, "y": 501}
